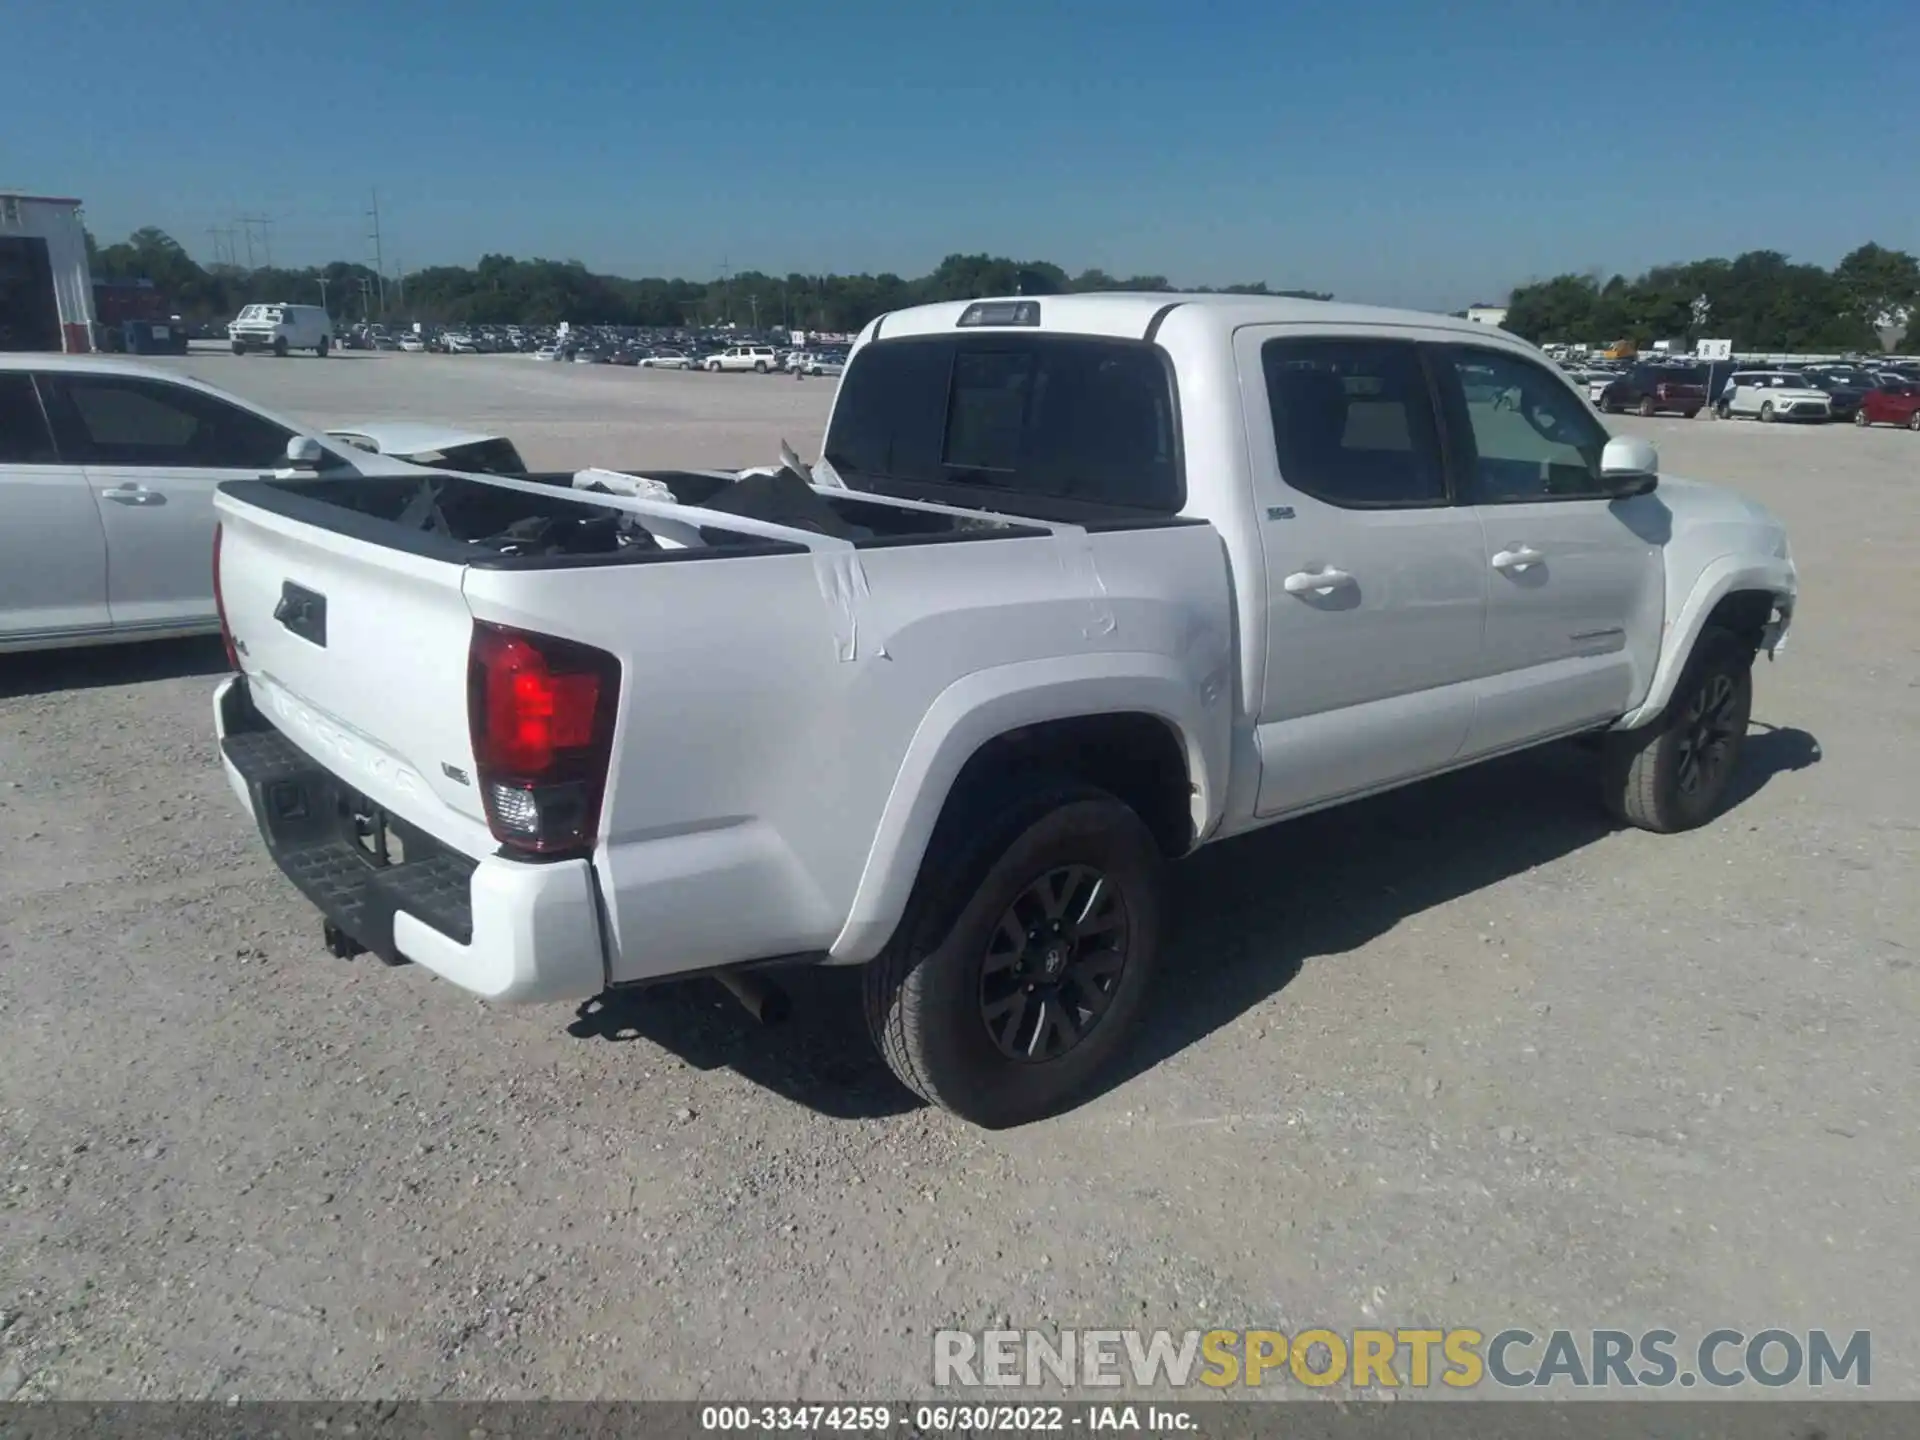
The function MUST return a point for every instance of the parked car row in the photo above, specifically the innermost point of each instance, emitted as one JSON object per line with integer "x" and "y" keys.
{"x": 1862, "y": 393}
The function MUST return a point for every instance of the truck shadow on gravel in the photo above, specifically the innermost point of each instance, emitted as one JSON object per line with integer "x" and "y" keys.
{"x": 1247, "y": 916}
{"x": 1250, "y": 913}
{"x": 91, "y": 667}
{"x": 821, "y": 1057}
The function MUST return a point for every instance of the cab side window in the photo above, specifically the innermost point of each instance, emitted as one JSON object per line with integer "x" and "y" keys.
{"x": 127, "y": 421}
{"x": 1523, "y": 433}
{"x": 1353, "y": 422}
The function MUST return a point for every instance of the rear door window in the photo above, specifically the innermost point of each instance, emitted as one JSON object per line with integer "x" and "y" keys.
{"x": 24, "y": 437}
{"x": 1046, "y": 418}
{"x": 1353, "y": 420}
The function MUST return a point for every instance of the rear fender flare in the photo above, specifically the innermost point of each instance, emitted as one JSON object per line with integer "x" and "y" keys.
{"x": 990, "y": 703}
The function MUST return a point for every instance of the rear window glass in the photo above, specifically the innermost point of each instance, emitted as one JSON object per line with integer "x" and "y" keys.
{"x": 1051, "y": 417}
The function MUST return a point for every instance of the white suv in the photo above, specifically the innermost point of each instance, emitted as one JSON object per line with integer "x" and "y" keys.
{"x": 1773, "y": 395}
{"x": 744, "y": 357}
{"x": 281, "y": 328}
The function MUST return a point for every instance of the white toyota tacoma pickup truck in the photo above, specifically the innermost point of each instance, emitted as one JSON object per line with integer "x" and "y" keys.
{"x": 1079, "y": 584}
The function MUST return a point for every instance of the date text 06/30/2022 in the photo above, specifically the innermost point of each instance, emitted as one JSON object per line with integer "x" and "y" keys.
{"x": 935, "y": 1419}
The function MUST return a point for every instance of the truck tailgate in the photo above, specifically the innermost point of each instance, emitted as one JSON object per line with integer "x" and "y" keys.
{"x": 357, "y": 653}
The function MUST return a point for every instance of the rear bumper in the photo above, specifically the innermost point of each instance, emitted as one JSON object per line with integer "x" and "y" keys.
{"x": 504, "y": 929}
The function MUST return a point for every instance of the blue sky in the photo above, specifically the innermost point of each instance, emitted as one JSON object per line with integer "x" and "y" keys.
{"x": 1404, "y": 151}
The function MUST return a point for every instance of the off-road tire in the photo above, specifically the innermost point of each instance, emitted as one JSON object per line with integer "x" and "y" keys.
{"x": 1642, "y": 769}
{"x": 923, "y": 994}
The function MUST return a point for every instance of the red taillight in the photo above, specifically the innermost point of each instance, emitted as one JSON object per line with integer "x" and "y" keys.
{"x": 541, "y": 712}
{"x": 220, "y": 606}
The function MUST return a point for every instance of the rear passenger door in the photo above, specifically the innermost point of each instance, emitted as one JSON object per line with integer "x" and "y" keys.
{"x": 1576, "y": 585}
{"x": 53, "y": 552}
{"x": 1376, "y": 580}
{"x": 153, "y": 453}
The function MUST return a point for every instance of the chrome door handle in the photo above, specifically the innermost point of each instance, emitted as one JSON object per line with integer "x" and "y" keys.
{"x": 1518, "y": 558}
{"x": 1316, "y": 582}
{"x": 133, "y": 495}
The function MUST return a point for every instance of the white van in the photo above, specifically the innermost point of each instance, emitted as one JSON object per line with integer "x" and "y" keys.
{"x": 281, "y": 328}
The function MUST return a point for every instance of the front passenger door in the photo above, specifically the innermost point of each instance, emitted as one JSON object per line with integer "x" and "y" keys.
{"x": 1576, "y": 580}
{"x": 154, "y": 451}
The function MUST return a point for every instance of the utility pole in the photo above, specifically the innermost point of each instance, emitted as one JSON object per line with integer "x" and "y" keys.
{"x": 322, "y": 282}
{"x": 213, "y": 235}
{"x": 264, "y": 223}
{"x": 379, "y": 262}
{"x": 754, "y": 301}
{"x": 366, "y": 300}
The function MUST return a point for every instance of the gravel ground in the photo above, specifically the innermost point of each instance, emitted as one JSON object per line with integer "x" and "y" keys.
{"x": 1463, "y": 1055}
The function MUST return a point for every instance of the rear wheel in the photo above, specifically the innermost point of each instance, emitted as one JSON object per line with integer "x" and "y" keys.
{"x": 1723, "y": 410}
{"x": 280, "y": 346}
{"x": 1024, "y": 955}
{"x": 759, "y": 367}
{"x": 1913, "y": 421}
{"x": 1646, "y": 405}
{"x": 322, "y": 348}
{"x": 1860, "y": 418}
{"x": 1674, "y": 773}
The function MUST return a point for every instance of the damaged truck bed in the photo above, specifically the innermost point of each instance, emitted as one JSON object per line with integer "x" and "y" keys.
{"x": 766, "y": 653}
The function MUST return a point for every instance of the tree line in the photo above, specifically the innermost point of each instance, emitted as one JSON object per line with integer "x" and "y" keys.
{"x": 502, "y": 290}
{"x": 1760, "y": 301}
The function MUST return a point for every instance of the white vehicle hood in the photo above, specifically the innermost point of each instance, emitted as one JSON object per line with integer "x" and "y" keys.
{"x": 1694, "y": 504}
{"x": 408, "y": 438}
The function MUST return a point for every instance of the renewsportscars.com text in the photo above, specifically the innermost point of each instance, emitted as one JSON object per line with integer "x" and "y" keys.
{"x": 1416, "y": 1359}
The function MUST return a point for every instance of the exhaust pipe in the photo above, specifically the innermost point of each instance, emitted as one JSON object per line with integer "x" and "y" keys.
{"x": 762, "y": 999}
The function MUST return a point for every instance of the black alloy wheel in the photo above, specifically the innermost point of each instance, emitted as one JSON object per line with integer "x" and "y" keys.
{"x": 1708, "y": 741}
{"x": 1054, "y": 963}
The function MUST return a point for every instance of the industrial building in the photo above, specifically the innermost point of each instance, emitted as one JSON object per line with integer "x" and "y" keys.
{"x": 46, "y": 291}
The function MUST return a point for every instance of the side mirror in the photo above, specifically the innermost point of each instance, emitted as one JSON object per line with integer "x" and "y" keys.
{"x": 1629, "y": 466}
{"x": 305, "y": 453}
